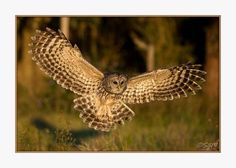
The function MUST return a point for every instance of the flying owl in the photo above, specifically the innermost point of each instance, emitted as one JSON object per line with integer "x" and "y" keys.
{"x": 102, "y": 98}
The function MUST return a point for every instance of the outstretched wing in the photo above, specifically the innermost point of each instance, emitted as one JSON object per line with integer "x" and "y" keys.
{"x": 64, "y": 63}
{"x": 101, "y": 115}
{"x": 164, "y": 84}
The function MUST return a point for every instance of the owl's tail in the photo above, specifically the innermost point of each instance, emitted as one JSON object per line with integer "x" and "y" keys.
{"x": 102, "y": 116}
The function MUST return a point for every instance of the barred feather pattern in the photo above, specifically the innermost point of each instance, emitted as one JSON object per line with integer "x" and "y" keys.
{"x": 55, "y": 55}
{"x": 164, "y": 84}
{"x": 100, "y": 109}
{"x": 102, "y": 114}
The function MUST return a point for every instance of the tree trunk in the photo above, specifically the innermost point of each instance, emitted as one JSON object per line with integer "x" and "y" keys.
{"x": 148, "y": 48}
{"x": 150, "y": 57}
{"x": 212, "y": 60}
{"x": 65, "y": 26}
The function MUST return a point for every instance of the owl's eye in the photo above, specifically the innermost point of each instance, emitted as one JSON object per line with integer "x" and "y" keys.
{"x": 122, "y": 82}
{"x": 115, "y": 82}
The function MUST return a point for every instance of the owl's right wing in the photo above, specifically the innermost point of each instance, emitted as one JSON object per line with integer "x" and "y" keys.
{"x": 164, "y": 84}
{"x": 64, "y": 63}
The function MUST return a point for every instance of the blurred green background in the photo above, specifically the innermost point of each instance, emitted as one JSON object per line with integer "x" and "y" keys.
{"x": 46, "y": 120}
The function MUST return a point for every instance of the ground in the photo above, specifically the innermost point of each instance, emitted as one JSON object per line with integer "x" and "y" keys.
{"x": 187, "y": 124}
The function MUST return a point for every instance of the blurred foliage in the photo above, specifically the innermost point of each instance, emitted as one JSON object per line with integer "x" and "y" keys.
{"x": 46, "y": 120}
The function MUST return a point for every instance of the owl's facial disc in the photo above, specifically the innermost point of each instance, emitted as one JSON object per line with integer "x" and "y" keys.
{"x": 115, "y": 83}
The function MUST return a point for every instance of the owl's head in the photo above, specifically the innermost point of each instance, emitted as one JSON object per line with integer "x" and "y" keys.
{"x": 115, "y": 83}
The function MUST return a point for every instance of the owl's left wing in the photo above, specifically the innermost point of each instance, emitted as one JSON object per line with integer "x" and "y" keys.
{"x": 164, "y": 84}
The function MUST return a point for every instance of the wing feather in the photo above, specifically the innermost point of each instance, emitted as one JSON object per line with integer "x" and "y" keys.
{"x": 101, "y": 115}
{"x": 164, "y": 84}
{"x": 64, "y": 63}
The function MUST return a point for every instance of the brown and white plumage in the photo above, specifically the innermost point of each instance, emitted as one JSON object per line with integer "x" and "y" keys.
{"x": 164, "y": 84}
{"x": 102, "y": 97}
{"x": 56, "y": 57}
{"x": 102, "y": 114}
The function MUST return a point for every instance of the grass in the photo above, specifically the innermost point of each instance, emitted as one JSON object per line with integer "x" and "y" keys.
{"x": 48, "y": 122}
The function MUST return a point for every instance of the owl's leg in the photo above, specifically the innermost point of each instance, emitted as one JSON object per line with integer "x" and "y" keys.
{"x": 104, "y": 112}
{"x": 100, "y": 112}
{"x": 127, "y": 107}
{"x": 109, "y": 113}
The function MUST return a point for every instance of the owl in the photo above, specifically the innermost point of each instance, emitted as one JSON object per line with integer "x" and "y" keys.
{"x": 102, "y": 98}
